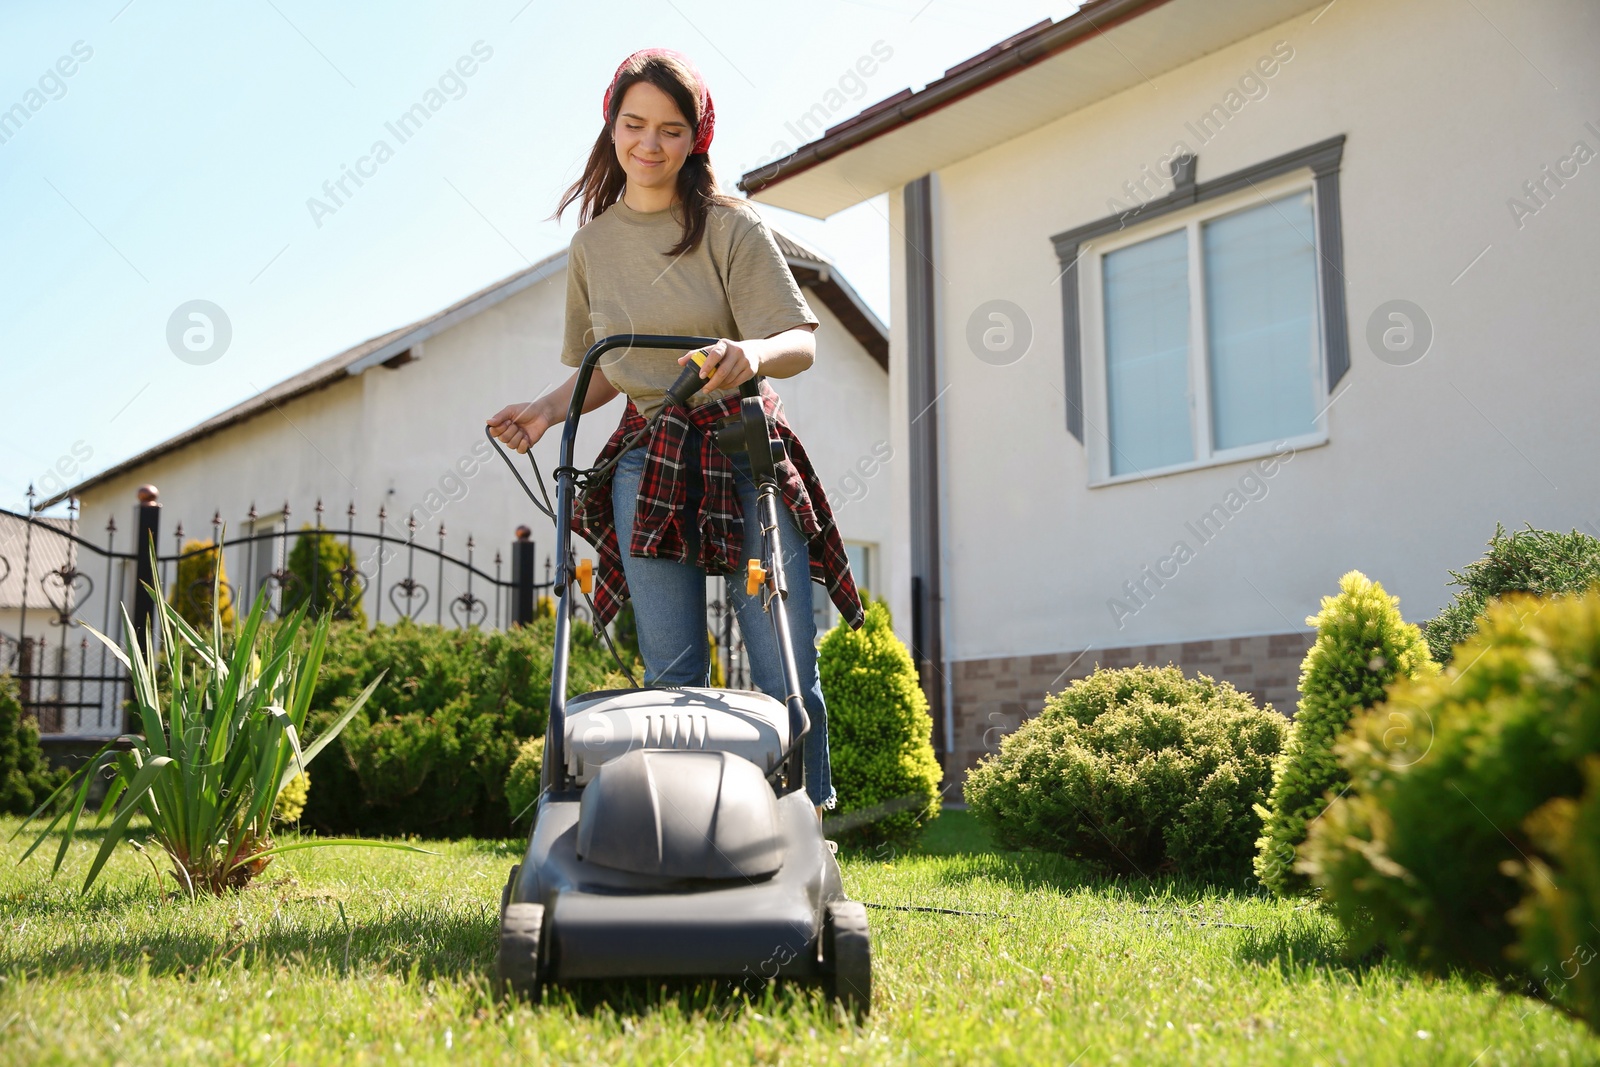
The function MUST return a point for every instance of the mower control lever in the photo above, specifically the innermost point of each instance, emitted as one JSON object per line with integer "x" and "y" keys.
{"x": 689, "y": 382}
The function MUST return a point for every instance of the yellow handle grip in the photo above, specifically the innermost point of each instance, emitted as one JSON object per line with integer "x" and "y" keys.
{"x": 586, "y": 576}
{"x": 755, "y": 576}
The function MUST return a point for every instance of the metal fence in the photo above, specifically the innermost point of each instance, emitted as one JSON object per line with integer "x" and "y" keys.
{"x": 75, "y": 687}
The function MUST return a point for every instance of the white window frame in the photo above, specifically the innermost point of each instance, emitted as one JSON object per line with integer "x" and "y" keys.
{"x": 1092, "y": 325}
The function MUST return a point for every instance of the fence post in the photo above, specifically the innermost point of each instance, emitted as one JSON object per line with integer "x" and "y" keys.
{"x": 522, "y": 602}
{"x": 148, "y": 527}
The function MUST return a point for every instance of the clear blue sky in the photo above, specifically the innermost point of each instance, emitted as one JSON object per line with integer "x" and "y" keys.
{"x": 175, "y": 163}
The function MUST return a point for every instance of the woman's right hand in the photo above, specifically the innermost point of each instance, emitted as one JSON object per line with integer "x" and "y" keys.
{"x": 520, "y": 425}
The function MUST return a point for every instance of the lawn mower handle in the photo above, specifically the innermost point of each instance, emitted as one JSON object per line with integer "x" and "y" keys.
{"x": 566, "y": 476}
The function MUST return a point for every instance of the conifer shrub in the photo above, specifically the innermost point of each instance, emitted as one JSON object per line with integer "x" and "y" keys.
{"x": 25, "y": 779}
{"x": 522, "y": 782}
{"x": 880, "y": 735}
{"x": 1138, "y": 770}
{"x": 291, "y": 802}
{"x": 431, "y": 751}
{"x": 1472, "y": 798}
{"x": 1527, "y": 561}
{"x": 1362, "y": 645}
{"x": 203, "y": 578}
{"x": 323, "y": 567}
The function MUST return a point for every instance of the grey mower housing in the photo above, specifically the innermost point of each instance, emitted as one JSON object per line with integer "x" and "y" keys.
{"x": 673, "y": 834}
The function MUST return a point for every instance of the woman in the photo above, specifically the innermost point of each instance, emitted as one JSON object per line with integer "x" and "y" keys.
{"x": 661, "y": 251}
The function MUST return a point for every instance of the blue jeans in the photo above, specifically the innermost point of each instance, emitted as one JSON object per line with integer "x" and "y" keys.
{"x": 669, "y": 608}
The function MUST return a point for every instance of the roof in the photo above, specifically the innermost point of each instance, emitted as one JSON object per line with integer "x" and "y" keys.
{"x": 811, "y": 269}
{"x": 1048, "y": 70}
{"x": 46, "y": 552}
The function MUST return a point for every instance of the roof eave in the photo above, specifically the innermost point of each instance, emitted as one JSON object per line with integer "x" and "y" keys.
{"x": 1048, "y": 41}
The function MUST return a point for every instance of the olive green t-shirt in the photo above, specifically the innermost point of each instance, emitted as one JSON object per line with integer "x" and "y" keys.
{"x": 735, "y": 284}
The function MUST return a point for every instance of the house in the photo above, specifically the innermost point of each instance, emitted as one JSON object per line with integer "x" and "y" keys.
{"x": 1199, "y": 305}
{"x": 398, "y": 422}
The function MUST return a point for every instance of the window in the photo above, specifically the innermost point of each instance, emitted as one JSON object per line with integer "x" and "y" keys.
{"x": 1212, "y": 321}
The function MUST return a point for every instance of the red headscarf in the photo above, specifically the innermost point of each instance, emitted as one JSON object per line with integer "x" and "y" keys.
{"x": 708, "y": 115}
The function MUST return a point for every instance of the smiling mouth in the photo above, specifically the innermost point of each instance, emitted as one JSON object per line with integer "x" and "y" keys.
{"x": 648, "y": 162}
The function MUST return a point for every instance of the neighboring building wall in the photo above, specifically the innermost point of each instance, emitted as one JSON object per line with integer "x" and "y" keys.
{"x": 1496, "y": 423}
{"x": 411, "y": 438}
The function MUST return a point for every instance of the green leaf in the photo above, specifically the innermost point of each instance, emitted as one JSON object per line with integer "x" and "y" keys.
{"x": 119, "y": 826}
{"x": 344, "y": 718}
{"x": 359, "y": 842}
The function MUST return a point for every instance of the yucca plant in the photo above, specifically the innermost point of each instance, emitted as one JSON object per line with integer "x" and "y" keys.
{"x": 218, "y": 746}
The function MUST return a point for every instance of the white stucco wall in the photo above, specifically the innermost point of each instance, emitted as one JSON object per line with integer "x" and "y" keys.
{"x": 1445, "y": 120}
{"x": 412, "y": 438}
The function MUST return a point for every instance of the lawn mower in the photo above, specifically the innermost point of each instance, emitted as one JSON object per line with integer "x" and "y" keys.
{"x": 673, "y": 835}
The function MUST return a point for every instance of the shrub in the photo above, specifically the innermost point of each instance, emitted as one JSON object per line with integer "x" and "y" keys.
{"x": 25, "y": 779}
{"x": 1528, "y": 561}
{"x": 1362, "y": 645}
{"x": 1558, "y": 918}
{"x": 323, "y": 567}
{"x": 879, "y": 732}
{"x": 1453, "y": 779}
{"x": 291, "y": 802}
{"x": 431, "y": 752}
{"x": 1138, "y": 770}
{"x": 200, "y": 592}
{"x": 522, "y": 782}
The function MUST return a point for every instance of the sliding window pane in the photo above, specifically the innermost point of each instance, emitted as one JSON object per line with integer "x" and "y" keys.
{"x": 1147, "y": 353}
{"x": 1261, "y": 321}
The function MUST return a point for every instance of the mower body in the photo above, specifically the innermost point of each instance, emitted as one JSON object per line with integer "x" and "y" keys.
{"x": 677, "y": 860}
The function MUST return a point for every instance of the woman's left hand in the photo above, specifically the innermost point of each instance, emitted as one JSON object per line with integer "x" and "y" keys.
{"x": 728, "y": 364}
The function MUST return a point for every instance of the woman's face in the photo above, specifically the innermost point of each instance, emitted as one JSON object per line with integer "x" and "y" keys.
{"x": 652, "y": 136}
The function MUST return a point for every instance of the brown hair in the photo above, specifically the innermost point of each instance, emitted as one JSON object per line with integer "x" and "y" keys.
{"x": 604, "y": 179}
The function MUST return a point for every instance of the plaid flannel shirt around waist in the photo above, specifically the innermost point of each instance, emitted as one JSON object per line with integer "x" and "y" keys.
{"x": 658, "y": 530}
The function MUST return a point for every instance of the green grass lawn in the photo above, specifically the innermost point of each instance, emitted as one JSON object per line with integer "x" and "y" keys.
{"x": 1061, "y": 968}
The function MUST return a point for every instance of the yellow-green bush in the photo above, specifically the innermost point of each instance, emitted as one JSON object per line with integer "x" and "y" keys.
{"x": 1559, "y": 919}
{"x": 1362, "y": 645}
{"x": 199, "y": 577}
{"x": 879, "y": 732}
{"x": 291, "y": 802}
{"x": 1472, "y": 795}
{"x": 1137, "y": 769}
{"x": 522, "y": 781}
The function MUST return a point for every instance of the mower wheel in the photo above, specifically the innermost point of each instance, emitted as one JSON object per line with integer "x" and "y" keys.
{"x": 505, "y": 891}
{"x": 517, "y": 964}
{"x": 847, "y": 955}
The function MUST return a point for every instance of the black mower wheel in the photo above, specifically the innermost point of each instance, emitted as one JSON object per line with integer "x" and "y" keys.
{"x": 505, "y": 891}
{"x": 517, "y": 963}
{"x": 847, "y": 954}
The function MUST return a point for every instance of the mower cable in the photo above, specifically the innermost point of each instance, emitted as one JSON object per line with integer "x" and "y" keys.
{"x": 939, "y": 911}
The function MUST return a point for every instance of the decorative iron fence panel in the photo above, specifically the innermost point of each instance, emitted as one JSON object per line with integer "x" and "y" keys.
{"x": 76, "y": 688}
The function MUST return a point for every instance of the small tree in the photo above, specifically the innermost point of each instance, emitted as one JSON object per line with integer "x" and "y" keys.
{"x": 200, "y": 577}
{"x": 324, "y": 570}
{"x": 879, "y": 731}
{"x": 25, "y": 779}
{"x": 1362, "y": 645}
